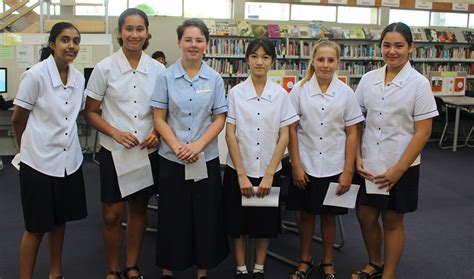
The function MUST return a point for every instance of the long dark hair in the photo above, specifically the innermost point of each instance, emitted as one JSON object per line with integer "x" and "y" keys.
{"x": 129, "y": 12}
{"x": 45, "y": 52}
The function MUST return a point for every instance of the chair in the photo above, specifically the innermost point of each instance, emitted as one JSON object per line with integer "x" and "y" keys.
{"x": 443, "y": 107}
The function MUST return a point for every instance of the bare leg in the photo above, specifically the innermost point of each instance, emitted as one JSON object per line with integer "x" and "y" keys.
{"x": 136, "y": 223}
{"x": 112, "y": 233}
{"x": 261, "y": 246}
{"x": 28, "y": 252}
{"x": 239, "y": 250}
{"x": 201, "y": 273}
{"x": 328, "y": 233}
{"x": 306, "y": 230}
{"x": 394, "y": 240}
{"x": 56, "y": 241}
{"x": 372, "y": 233}
{"x": 167, "y": 272}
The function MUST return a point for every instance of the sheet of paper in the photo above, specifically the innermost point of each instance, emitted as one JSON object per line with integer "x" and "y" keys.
{"x": 347, "y": 200}
{"x": 133, "y": 170}
{"x": 375, "y": 167}
{"x": 16, "y": 161}
{"x": 270, "y": 200}
{"x": 197, "y": 170}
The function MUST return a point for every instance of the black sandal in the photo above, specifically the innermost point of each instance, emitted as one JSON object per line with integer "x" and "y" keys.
{"x": 128, "y": 269}
{"x": 114, "y": 273}
{"x": 377, "y": 274}
{"x": 322, "y": 266}
{"x": 303, "y": 274}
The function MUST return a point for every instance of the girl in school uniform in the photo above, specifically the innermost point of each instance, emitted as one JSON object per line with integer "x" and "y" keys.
{"x": 257, "y": 136}
{"x": 122, "y": 85}
{"x": 400, "y": 106}
{"x": 48, "y": 101}
{"x": 323, "y": 146}
{"x": 189, "y": 107}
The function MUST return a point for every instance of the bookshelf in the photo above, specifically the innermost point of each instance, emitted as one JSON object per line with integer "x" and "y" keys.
{"x": 226, "y": 54}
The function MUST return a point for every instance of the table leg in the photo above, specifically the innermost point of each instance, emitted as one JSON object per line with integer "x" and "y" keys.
{"x": 456, "y": 128}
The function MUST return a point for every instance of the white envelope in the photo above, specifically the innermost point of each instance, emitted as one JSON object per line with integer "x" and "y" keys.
{"x": 270, "y": 200}
{"x": 196, "y": 170}
{"x": 347, "y": 200}
{"x": 16, "y": 161}
{"x": 375, "y": 167}
{"x": 133, "y": 170}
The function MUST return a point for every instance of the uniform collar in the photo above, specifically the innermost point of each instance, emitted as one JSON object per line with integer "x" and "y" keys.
{"x": 125, "y": 66}
{"x": 54, "y": 73}
{"x": 178, "y": 70}
{"x": 250, "y": 93}
{"x": 400, "y": 79}
{"x": 316, "y": 90}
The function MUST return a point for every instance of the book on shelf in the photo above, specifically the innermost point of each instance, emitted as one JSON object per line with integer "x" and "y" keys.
{"x": 448, "y": 83}
{"x": 431, "y": 35}
{"x": 376, "y": 33}
{"x": 283, "y": 31}
{"x": 459, "y": 36}
{"x": 211, "y": 25}
{"x": 468, "y": 36}
{"x": 337, "y": 32}
{"x": 326, "y": 32}
{"x": 226, "y": 29}
{"x": 292, "y": 31}
{"x": 303, "y": 31}
{"x": 315, "y": 32}
{"x": 418, "y": 34}
{"x": 357, "y": 33}
{"x": 259, "y": 30}
{"x": 244, "y": 28}
{"x": 274, "y": 31}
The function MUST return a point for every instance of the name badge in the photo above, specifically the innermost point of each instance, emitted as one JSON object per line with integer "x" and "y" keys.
{"x": 204, "y": 88}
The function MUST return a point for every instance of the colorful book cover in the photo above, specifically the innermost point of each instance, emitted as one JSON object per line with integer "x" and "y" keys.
{"x": 283, "y": 31}
{"x": 376, "y": 33}
{"x": 244, "y": 28}
{"x": 222, "y": 29}
{"x": 358, "y": 33}
{"x": 273, "y": 30}
{"x": 437, "y": 84}
{"x": 459, "y": 85}
{"x": 315, "y": 32}
{"x": 211, "y": 25}
{"x": 337, "y": 32}
{"x": 303, "y": 31}
{"x": 259, "y": 30}
{"x": 326, "y": 32}
{"x": 293, "y": 31}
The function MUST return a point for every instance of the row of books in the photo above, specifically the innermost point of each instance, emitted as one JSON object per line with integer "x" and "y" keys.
{"x": 440, "y": 51}
{"x": 301, "y": 49}
{"x": 317, "y": 30}
{"x": 426, "y": 68}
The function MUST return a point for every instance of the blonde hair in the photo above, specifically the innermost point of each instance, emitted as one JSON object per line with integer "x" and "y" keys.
{"x": 319, "y": 44}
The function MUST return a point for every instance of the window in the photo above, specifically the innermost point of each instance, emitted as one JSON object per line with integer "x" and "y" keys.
{"x": 116, "y": 7}
{"x": 361, "y": 15}
{"x": 98, "y": 9}
{"x": 267, "y": 11}
{"x": 208, "y": 8}
{"x": 158, "y": 7}
{"x": 410, "y": 17}
{"x": 2, "y": 9}
{"x": 312, "y": 12}
{"x": 448, "y": 19}
{"x": 471, "y": 21}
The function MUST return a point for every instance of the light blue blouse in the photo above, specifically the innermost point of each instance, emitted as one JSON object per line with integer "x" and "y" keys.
{"x": 191, "y": 103}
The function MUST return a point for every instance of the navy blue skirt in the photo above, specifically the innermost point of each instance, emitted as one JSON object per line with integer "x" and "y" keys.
{"x": 50, "y": 201}
{"x": 403, "y": 196}
{"x": 256, "y": 222}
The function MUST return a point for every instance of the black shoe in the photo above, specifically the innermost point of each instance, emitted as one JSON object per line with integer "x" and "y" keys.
{"x": 258, "y": 275}
{"x": 241, "y": 275}
{"x": 167, "y": 277}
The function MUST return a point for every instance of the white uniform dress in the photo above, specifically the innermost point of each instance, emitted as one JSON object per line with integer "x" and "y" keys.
{"x": 51, "y": 179}
{"x": 125, "y": 94}
{"x": 322, "y": 139}
{"x": 257, "y": 123}
{"x": 392, "y": 110}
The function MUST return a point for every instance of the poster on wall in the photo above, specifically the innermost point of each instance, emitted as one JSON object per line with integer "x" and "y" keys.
{"x": 24, "y": 56}
{"x": 460, "y": 7}
{"x": 365, "y": 2}
{"x": 423, "y": 5}
{"x": 339, "y": 2}
{"x": 448, "y": 83}
{"x": 391, "y": 3}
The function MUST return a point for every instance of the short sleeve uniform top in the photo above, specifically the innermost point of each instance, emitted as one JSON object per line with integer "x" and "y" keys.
{"x": 50, "y": 143}
{"x": 323, "y": 119}
{"x": 125, "y": 94}
{"x": 392, "y": 110}
{"x": 191, "y": 104}
{"x": 258, "y": 121}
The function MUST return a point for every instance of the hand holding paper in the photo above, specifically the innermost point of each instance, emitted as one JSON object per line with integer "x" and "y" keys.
{"x": 197, "y": 170}
{"x": 270, "y": 200}
{"x": 375, "y": 167}
{"x": 347, "y": 199}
